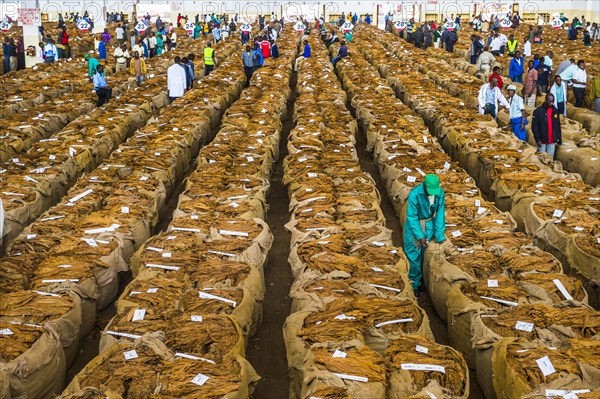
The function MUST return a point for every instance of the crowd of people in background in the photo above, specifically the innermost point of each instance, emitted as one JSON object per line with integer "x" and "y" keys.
{"x": 534, "y": 73}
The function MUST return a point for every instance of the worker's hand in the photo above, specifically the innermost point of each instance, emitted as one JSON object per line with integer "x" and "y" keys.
{"x": 423, "y": 242}
{"x": 539, "y": 143}
{"x": 522, "y": 126}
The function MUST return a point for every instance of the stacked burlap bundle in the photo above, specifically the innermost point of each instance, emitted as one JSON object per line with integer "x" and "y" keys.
{"x": 147, "y": 368}
{"x": 35, "y": 180}
{"x": 352, "y": 298}
{"x": 198, "y": 287}
{"x": 80, "y": 245}
{"x": 477, "y": 231}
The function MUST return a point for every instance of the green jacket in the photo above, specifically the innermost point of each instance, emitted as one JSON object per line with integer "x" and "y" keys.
{"x": 92, "y": 64}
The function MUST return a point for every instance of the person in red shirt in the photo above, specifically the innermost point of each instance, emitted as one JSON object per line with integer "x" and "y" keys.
{"x": 64, "y": 40}
{"x": 496, "y": 75}
{"x": 265, "y": 47}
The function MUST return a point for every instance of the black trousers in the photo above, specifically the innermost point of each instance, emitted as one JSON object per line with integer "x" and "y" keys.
{"x": 208, "y": 69}
{"x": 248, "y": 71}
{"x": 561, "y": 107}
{"x": 104, "y": 94}
{"x": 579, "y": 96}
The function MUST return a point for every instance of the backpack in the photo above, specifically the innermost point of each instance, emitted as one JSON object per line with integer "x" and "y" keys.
{"x": 453, "y": 37}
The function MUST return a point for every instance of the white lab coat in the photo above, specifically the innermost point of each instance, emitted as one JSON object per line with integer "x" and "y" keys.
{"x": 527, "y": 49}
{"x": 176, "y": 80}
{"x": 552, "y": 91}
{"x": 499, "y": 98}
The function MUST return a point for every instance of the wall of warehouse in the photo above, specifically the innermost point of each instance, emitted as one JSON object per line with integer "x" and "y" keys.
{"x": 418, "y": 9}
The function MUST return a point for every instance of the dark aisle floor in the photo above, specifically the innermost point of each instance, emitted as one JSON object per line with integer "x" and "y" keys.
{"x": 266, "y": 350}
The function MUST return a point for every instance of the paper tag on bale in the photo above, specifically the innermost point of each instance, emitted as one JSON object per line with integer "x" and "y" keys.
{"x": 132, "y": 354}
{"x": 546, "y": 366}
{"x": 200, "y": 379}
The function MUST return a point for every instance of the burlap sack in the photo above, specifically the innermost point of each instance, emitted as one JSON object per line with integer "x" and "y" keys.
{"x": 4, "y": 385}
{"x": 40, "y": 371}
{"x": 311, "y": 376}
{"x": 508, "y": 384}
{"x": 439, "y": 277}
{"x": 584, "y": 161}
{"x": 586, "y": 267}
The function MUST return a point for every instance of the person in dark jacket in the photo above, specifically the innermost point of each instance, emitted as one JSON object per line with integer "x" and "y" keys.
{"x": 419, "y": 37}
{"x": 545, "y": 125}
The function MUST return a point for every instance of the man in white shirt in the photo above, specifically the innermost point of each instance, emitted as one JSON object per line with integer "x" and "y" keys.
{"x": 173, "y": 39}
{"x": 138, "y": 47}
{"x": 121, "y": 56}
{"x": 120, "y": 34}
{"x": 176, "y": 80}
{"x": 489, "y": 97}
{"x": 579, "y": 82}
{"x": 503, "y": 41}
{"x": 152, "y": 45}
{"x": 527, "y": 48}
{"x": 496, "y": 45}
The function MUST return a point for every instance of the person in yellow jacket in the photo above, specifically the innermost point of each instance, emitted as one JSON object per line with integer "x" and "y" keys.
{"x": 209, "y": 58}
{"x": 205, "y": 30}
{"x": 137, "y": 67}
{"x": 595, "y": 94}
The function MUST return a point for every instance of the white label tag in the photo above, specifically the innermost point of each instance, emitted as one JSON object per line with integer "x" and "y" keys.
{"x": 165, "y": 267}
{"x": 421, "y": 349}
{"x": 563, "y": 393}
{"x": 384, "y": 287}
{"x": 351, "y": 377}
{"x": 524, "y": 326}
{"x": 546, "y": 366}
{"x": 132, "y": 354}
{"x": 456, "y": 233}
{"x": 6, "y": 331}
{"x": 492, "y": 283}
{"x": 200, "y": 379}
{"x": 562, "y": 289}
{"x": 233, "y": 233}
{"x": 80, "y": 196}
{"x": 166, "y": 255}
{"x": 196, "y": 318}
{"x": 502, "y": 301}
{"x": 338, "y": 353}
{"x": 205, "y": 295}
{"x": 138, "y": 314}
{"x": 477, "y": 203}
{"x": 423, "y": 367}
{"x": 411, "y": 179}
{"x": 124, "y": 209}
{"x": 152, "y": 290}
{"x": 385, "y": 323}
{"x": 557, "y": 213}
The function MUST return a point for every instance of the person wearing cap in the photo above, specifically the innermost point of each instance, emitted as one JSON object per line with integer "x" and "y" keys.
{"x": 92, "y": 65}
{"x": 517, "y": 114}
{"x": 425, "y": 220}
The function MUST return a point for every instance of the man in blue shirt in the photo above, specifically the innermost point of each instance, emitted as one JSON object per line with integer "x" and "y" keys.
{"x": 259, "y": 60}
{"x": 305, "y": 54}
{"x": 342, "y": 53}
{"x": 102, "y": 90}
{"x": 425, "y": 220}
